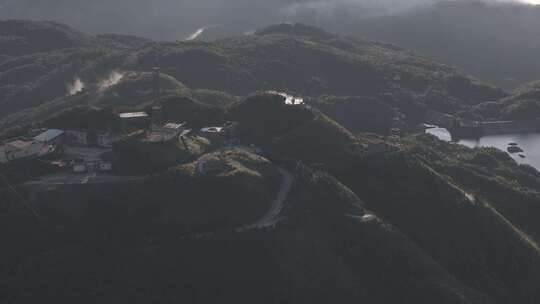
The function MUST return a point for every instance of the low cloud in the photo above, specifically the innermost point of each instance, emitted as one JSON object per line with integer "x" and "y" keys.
{"x": 178, "y": 19}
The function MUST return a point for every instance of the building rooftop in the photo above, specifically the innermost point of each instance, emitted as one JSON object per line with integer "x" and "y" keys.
{"x": 158, "y": 137}
{"x": 19, "y": 144}
{"x": 174, "y": 126}
{"x": 212, "y": 130}
{"x": 49, "y": 135}
{"x": 289, "y": 99}
{"x": 133, "y": 115}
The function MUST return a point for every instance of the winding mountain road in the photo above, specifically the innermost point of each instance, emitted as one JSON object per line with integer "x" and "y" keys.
{"x": 80, "y": 179}
{"x": 270, "y": 218}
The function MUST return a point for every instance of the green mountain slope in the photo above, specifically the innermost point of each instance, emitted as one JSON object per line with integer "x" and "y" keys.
{"x": 522, "y": 104}
{"x": 471, "y": 217}
{"x": 327, "y": 247}
{"x": 293, "y": 58}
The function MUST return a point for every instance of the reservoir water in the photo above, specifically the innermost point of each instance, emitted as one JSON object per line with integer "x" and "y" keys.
{"x": 529, "y": 142}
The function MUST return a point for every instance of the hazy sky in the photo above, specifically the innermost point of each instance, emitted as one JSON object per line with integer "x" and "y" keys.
{"x": 177, "y": 19}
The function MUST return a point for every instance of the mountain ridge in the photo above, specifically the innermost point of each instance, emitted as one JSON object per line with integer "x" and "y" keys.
{"x": 288, "y": 57}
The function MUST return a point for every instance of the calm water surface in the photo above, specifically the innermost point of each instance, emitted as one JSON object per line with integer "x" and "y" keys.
{"x": 529, "y": 142}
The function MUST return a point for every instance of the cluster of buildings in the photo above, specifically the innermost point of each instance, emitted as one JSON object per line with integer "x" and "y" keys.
{"x": 164, "y": 133}
{"x": 289, "y": 99}
{"x": 43, "y": 144}
{"x": 57, "y": 147}
{"x": 85, "y": 138}
{"x": 150, "y": 129}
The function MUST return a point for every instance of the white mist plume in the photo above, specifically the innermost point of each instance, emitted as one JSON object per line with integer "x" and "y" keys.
{"x": 76, "y": 87}
{"x": 113, "y": 79}
{"x": 196, "y": 34}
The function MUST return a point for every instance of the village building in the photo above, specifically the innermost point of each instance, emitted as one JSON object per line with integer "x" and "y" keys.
{"x": 105, "y": 167}
{"x": 223, "y": 135}
{"x": 134, "y": 120}
{"x": 230, "y": 128}
{"x": 79, "y": 168}
{"x": 21, "y": 149}
{"x": 85, "y": 138}
{"x": 220, "y": 135}
{"x": 106, "y": 140}
{"x": 174, "y": 126}
{"x": 289, "y": 99}
{"x": 93, "y": 166}
{"x": 217, "y": 135}
{"x": 213, "y": 132}
{"x": 133, "y": 116}
{"x": 51, "y": 137}
{"x": 36, "y": 131}
{"x": 167, "y": 132}
{"x": 76, "y": 137}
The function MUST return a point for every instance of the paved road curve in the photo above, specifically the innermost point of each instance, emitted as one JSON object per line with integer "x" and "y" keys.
{"x": 271, "y": 216}
{"x": 269, "y": 219}
{"x": 75, "y": 179}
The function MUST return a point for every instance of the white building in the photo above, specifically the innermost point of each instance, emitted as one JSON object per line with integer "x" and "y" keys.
{"x": 133, "y": 115}
{"x": 289, "y": 99}
{"x": 213, "y": 130}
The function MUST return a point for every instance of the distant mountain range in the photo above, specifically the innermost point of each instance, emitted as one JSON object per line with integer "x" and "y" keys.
{"x": 175, "y": 20}
{"x": 495, "y": 41}
{"x": 499, "y": 43}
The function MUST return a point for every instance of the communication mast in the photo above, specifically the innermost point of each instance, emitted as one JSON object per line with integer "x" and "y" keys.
{"x": 156, "y": 109}
{"x": 156, "y": 71}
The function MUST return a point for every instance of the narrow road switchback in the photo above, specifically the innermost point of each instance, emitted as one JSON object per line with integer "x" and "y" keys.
{"x": 270, "y": 218}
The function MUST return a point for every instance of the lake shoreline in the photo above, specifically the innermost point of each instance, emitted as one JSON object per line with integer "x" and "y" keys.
{"x": 478, "y": 129}
{"x": 528, "y": 142}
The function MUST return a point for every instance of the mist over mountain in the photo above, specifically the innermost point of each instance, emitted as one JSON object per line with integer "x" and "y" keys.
{"x": 495, "y": 40}
{"x": 498, "y": 43}
{"x": 172, "y": 19}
